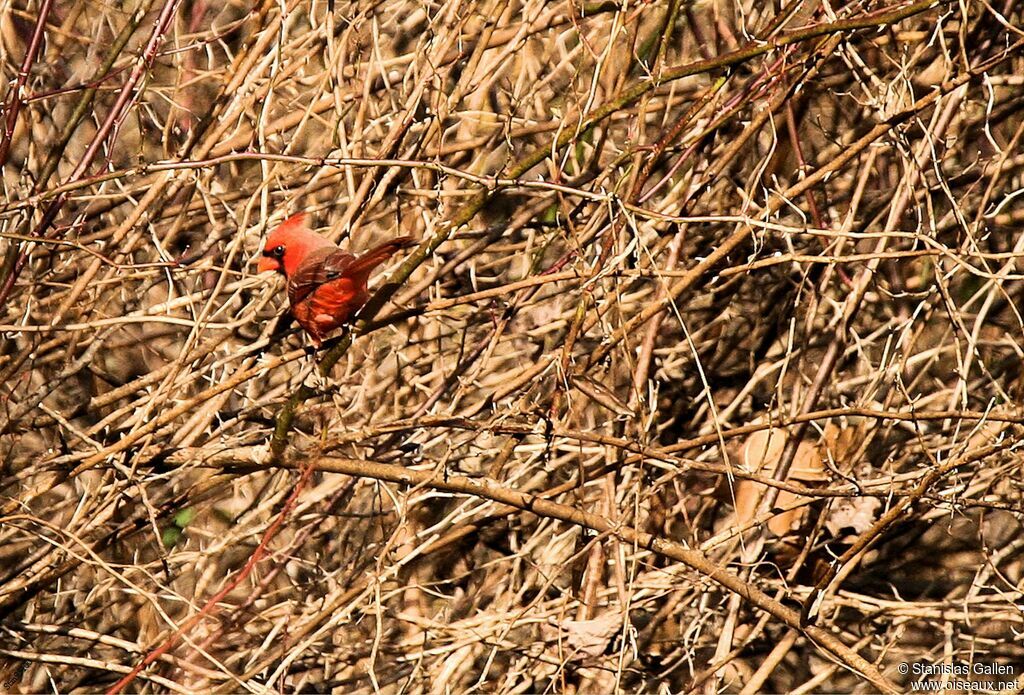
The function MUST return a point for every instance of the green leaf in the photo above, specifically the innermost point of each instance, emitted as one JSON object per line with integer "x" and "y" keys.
{"x": 171, "y": 536}
{"x": 184, "y": 517}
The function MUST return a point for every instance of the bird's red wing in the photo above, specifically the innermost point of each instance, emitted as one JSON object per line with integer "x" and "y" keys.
{"x": 320, "y": 266}
{"x": 378, "y": 254}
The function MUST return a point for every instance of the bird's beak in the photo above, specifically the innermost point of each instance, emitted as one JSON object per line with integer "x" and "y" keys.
{"x": 268, "y": 263}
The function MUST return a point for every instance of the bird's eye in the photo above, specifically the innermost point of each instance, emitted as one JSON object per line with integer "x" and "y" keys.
{"x": 277, "y": 252}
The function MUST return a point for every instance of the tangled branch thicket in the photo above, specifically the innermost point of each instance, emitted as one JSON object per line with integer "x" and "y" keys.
{"x": 705, "y": 375}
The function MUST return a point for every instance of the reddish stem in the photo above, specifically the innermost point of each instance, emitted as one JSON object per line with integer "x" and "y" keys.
{"x": 160, "y": 28}
{"x": 14, "y": 101}
{"x": 207, "y": 608}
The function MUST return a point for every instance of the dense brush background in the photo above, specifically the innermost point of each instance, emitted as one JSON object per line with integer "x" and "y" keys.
{"x": 671, "y": 253}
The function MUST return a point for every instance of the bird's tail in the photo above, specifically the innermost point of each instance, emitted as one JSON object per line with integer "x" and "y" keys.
{"x": 378, "y": 254}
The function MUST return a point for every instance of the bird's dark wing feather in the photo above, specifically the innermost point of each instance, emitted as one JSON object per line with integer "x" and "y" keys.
{"x": 320, "y": 266}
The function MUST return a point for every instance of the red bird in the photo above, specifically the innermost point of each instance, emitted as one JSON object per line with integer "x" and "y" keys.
{"x": 326, "y": 285}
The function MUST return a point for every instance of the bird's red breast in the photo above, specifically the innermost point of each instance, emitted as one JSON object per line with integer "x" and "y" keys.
{"x": 323, "y": 294}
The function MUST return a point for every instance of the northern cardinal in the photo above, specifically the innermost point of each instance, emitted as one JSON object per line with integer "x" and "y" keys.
{"x": 326, "y": 285}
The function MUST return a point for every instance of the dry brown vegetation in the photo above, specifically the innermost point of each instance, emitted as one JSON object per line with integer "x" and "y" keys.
{"x": 705, "y": 374}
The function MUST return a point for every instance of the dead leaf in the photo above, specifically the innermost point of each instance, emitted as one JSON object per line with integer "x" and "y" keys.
{"x": 763, "y": 449}
{"x": 784, "y": 522}
{"x": 761, "y": 454}
{"x": 857, "y": 513}
{"x": 602, "y": 395}
{"x": 840, "y": 442}
{"x": 588, "y": 638}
